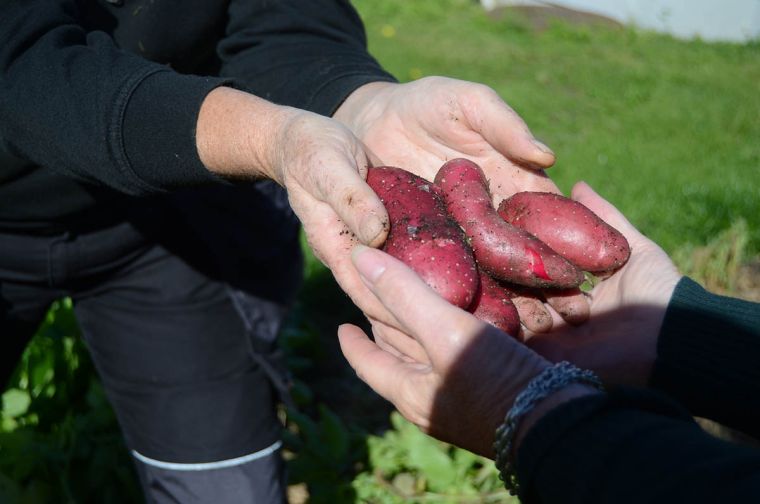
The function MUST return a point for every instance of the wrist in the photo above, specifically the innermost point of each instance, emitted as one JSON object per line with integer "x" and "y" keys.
{"x": 553, "y": 386}
{"x": 545, "y": 406}
{"x": 236, "y": 134}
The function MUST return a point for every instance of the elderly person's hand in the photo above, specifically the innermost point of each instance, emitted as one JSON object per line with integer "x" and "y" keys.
{"x": 619, "y": 341}
{"x": 316, "y": 159}
{"x": 461, "y": 383}
{"x": 420, "y": 125}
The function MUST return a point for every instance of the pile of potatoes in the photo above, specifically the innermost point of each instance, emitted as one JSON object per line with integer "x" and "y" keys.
{"x": 480, "y": 258}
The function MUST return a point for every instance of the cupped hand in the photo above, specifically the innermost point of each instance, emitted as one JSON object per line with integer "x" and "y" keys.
{"x": 619, "y": 341}
{"x": 320, "y": 163}
{"x": 323, "y": 167}
{"x": 420, "y": 125}
{"x": 467, "y": 374}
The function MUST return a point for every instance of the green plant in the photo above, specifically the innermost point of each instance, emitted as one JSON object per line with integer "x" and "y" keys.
{"x": 717, "y": 264}
{"x": 406, "y": 465}
{"x": 59, "y": 440}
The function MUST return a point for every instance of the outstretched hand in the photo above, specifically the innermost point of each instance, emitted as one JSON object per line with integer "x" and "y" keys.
{"x": 419, "y": 125}
{"x": 320, "y": 163}
{"x": 422, "y": 124}
{"x": 467, "y": 373}
{"x": 619, "y": 341}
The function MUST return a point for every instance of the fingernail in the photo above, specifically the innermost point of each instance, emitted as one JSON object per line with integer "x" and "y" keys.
{"x": 542, "y": 147}
{"x": 368, "y": 262}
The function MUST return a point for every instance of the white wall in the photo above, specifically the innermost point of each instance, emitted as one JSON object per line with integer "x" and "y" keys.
{"x": 731, "y": 20}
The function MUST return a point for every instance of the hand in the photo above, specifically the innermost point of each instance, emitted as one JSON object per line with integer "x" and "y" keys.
{"x": 619, "y": 341}
{"x": 318, "y": 161}
{"x": 420, "y": 125}
{"x": 469, "y": 374}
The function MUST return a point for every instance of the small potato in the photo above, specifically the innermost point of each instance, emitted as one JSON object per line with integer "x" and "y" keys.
{"x": 569, "y": 228}
{"x": 423, "y": 236}
{"x": 492, "y": 304}
{"x": 504, "y": 251}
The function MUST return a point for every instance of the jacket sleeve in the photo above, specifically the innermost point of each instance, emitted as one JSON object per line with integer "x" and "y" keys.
{"x": 632, "y": 446}
{"x": 73, "y": 102}
{"x": 309, "y": 55}
{"x": 708, "y": 356}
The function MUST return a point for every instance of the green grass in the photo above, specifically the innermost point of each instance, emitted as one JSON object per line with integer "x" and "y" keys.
{"x": 667, "y": 130}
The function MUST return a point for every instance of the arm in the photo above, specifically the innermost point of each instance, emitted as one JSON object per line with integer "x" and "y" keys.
{"x": 708, "y": 356}
{"x": 309, "y": 55}
{"x": 72, "y": 101}
{"x": 631, "y": 446}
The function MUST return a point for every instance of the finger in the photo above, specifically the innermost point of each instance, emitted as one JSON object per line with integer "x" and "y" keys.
{"x": 342, "y": 187}
{"x": 377, "y": 368}
{"x": 571, "y": 304}
{"x": 438, "y": 326}
{"x": 403, "y": 345}
{"x": 503, "y": 128}
{"x": 533, "y": 314}
{"x": 332, "y": 244}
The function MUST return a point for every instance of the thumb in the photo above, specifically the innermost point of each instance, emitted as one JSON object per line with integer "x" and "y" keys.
{"x": 357, "y": 205}
{"x": 374, "y": 366}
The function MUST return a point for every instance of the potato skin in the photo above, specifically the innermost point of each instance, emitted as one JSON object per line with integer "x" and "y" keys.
{"x": 423, "y": 236}
{"x": 504, "y": 251}
{"x": 569, "y": 228}
{"x": 492, "y": 304}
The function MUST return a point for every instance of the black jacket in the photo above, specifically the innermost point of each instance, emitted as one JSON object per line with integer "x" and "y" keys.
{"x": 99, "y": 99}
{"x": 636, "y": 446}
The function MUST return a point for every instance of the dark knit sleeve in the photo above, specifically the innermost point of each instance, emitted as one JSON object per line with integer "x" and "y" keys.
{"x": 309, "y": 55}
{"x": 708, "y": 356}
{"x": 632, "y": 446}
{"x": 71, "y": 101}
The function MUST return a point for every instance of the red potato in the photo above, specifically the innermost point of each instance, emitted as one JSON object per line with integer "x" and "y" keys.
{"x": 568, "y": 227}
{"x": 423, "y": 236}
{"x": 492, "y": 304}
{"x": 504, "y": 251}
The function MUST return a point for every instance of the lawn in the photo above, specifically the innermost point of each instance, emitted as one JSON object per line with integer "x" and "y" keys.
{"x": 668, "y": 130}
